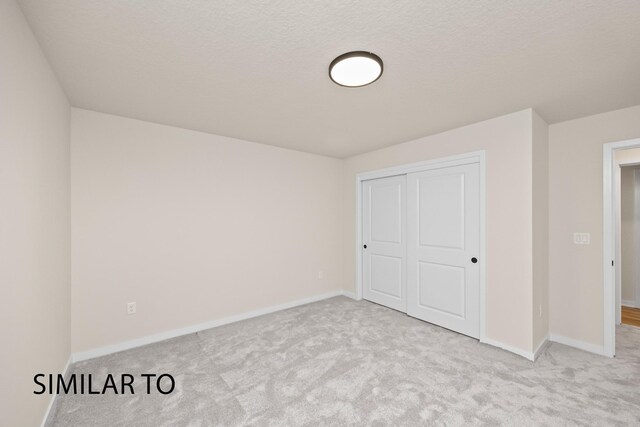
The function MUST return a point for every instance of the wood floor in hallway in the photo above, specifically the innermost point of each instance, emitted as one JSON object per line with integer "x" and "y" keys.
{"x": 631, "y": 316}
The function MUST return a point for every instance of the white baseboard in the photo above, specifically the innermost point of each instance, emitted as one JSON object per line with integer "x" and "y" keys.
{"x": 520, "y": 352}
{"x": 150, "y": 339}
{"x": 543, "y": 344}
{"x": 629, "y": 303}
{"x": 581, "y": 345}
{"x": 349, "y": 294}
{"x": 53, "y": 396}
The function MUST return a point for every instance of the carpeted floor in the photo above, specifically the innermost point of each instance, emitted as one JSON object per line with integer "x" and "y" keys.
{"x": 341, "y": 362}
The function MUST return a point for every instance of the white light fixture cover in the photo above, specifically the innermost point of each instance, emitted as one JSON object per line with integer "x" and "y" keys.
{"x": 355, "y": 69}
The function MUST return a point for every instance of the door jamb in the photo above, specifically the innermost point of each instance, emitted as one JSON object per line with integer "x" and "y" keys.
{"x": 457, "y": 160}
{"x": 636, "y": 237}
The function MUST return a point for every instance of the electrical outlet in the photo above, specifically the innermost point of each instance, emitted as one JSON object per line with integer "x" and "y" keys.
{"x": 131, "y": 308}
{"x": 320, "y": 275}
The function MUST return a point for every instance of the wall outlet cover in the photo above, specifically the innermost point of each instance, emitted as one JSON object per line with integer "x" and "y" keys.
{"x": 131, "y": 308}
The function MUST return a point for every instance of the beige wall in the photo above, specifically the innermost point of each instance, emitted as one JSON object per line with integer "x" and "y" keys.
{"x": 540, "y": 309}
{"x": 34, "y": 221}
{"x": 628, "y": 235}
{"x": 507, "y": 141}
{"x": 193, "y": 227}
{"x": 575, "y": 205}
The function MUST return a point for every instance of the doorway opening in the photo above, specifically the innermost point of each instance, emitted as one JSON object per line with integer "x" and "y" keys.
{"x": 629, "y": 235}
{"x": 621, "y": 266}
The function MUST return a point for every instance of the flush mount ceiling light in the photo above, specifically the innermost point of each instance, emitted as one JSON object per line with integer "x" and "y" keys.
{"x": 355, "y": 69}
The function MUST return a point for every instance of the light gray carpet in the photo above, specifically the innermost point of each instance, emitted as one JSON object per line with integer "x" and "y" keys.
{"x": 341, "y": 362}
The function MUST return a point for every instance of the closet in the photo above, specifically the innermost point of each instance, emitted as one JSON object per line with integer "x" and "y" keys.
{"x": 421, "y": 244}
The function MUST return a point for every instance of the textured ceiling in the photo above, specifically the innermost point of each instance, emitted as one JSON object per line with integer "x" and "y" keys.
{"x": 257, "y": 70}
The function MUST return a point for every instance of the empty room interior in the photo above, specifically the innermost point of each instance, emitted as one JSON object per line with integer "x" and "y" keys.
{"x": 218, "y": 213}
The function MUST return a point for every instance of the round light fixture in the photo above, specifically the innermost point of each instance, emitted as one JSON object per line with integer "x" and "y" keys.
{"x": 355, "y": 69}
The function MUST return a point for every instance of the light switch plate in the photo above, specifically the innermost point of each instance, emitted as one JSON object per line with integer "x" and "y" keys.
{"x": 582, "y": 238}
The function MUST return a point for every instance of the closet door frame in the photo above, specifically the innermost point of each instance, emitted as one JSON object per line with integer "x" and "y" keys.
{"x": 443, "y": 162}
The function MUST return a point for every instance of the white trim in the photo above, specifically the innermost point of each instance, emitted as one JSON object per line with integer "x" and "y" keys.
{"x": 457, "y": 160}
{"x": 629, "y": 303}
{"x": 54, "y": 396}
{"x": 543, "y": 344}
{"x": 351, "y": 295}
{"x": 520, "y": 352}
{"x": 442, "y": 162}
{"x": 617, "y": 214}
{"x": 358, "y": 238}
{"x": 484, "y": 253}
{"x": 636, "y": 231}
{"x": 608, "y": 254}
{"x": 581, "y": 345}
{"x": 150, "y": 339}
{"x": 608, "y": 249}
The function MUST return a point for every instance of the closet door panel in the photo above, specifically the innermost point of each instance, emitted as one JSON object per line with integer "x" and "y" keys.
{"x": 443, "y": 237}
{"x": 384, "y": 242}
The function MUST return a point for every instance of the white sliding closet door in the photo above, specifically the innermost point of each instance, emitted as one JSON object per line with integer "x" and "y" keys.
{"x": 384, "y": 242}
{"x": 443, "y": 242}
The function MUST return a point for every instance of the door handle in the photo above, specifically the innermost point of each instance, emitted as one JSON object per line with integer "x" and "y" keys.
{"x": 365, "y": 246}
{"x": 474, "y": 260}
